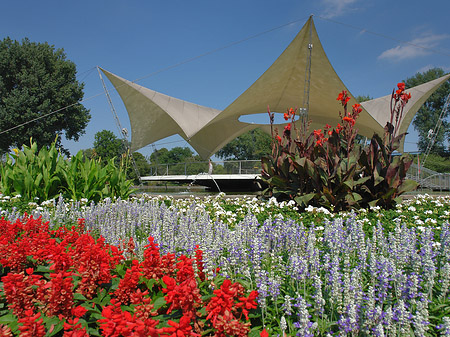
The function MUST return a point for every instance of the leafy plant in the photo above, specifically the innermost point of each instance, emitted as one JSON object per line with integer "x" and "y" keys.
{"x": 47, "y": 174}
{"x": 386, "y": 171}
{"x": 330, "y": 168}
{"x": 32, "y": 174}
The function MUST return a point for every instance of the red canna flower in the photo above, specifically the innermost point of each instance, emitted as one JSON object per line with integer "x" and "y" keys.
{"x": 287, "y": 131}
{"x": 343, "y": 97}
{"x": 356, "y": 108}
{"x": 349, "y": 120}
{"x": 286, "y": 116}
{"x": 264, "y": 333}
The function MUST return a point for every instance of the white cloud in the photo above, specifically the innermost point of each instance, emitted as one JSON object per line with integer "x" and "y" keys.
{"x": 431, "y": 66}
{"x": 415, "y": 48}
{"x": 336, "y": 7}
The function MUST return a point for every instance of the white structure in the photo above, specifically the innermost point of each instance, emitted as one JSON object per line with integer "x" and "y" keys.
{"x": 155, "y": 116}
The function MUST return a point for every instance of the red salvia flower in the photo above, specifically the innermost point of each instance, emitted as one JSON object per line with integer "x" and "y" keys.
{"x": 5, "y": 331}
{"x": 154, "y": 266}
{"x": 264, "y": 333}
{"x": 199, "y": 262}
{"x": 129, "y": 283}
{"x": 183, "y": 328}
{"x": 32, "y": 325}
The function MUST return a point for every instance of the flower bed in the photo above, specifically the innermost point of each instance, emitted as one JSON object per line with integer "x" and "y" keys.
{"x": 361, "y": 273}
{"x": 65, "y": 282}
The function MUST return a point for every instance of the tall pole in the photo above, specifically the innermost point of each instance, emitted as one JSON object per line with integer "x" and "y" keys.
{"x": 122, "y": 131}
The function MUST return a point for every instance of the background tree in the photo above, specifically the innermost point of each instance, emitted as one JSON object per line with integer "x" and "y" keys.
{"x": 36, "y": 79}
{"x": 180, "y": 160}
{"x": 428, "y": 115}
{"x": 363, "y": 98}
{"x": 173, "y": 156}
{"x": 107, "y": 146}
{"x": 251, "y": 145}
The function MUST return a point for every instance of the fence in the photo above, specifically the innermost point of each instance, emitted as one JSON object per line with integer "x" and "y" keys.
{"x": 218, "y": 167}
{"x": 429, "y": 179}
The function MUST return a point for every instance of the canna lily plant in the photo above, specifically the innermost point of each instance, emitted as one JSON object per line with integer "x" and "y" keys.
{"x": 330, "y": 168}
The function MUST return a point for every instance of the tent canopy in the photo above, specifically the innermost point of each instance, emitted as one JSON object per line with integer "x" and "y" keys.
{"x": 154, "y": 116}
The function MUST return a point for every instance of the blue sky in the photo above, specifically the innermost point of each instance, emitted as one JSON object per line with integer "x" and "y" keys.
{"x": 147, "y": 40}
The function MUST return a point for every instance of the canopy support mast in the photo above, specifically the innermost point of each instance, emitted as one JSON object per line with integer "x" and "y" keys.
{"x": 122, "y": 131}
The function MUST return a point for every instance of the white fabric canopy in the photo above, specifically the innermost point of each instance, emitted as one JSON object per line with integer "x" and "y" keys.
{"x": 155, "y": 116}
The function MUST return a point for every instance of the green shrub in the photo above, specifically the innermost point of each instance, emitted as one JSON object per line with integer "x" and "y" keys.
{"x": 329, "y": 169}
{"x": 45, "y": 174}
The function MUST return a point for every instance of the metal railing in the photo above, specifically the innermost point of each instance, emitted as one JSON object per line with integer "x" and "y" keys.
{"x": 218, "y": 167}
{"x": 429, "y": 179}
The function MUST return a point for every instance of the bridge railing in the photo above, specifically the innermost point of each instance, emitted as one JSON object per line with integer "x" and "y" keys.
{"x": 429, "y": 179}
{"x": 198, "y": 167}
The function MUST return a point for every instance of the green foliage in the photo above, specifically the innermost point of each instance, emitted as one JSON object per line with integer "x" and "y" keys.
{"x": 428, "y": 115}
{"x": 173, "y": 156}
{"x": 251, "y": 145}
{"x": 333, "y": 171}
{"x": 36, "y": 79}
{"x": 363, "y": 98}
{"x": 180, "y": 161}
{"x": 32, "y": 174}
{"x": 46, "y": 174}
{"x": 435, "y": 162}
{"x": 386, "y": 173}
{"x": 108, "y": 146}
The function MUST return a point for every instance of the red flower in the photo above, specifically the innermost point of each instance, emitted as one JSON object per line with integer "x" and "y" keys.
{"x": 199, "y": 262}
{"x": 264, "y": 333}
{"x": 287, "y": 131}
{"x": 318, "y": 133}
{"x": 286, "y": 116}
{"x": 248, "y": 303}
{"x": 279, "y": 139}
{"x": 401, "y": 86}
{"x": 5, "y": 331}
{"x": 356, "y": 108}
{"x": 79, "y": 311}
{"x": 349, "y": 120}
{"x": 129, "y": 284}
{"x": 181, "y": 329}
{"x": 343, "y": 97}
{"x": 30, "y": 327}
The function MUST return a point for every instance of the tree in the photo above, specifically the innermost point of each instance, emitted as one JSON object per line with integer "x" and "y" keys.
{"x": 363, "y": 98}
{"x": 173, "y": 156}
{"x": 107, "y": 146}
{"x": 251, "y": 145}
{"x": 428, "y": 115}
{"x": 142, "y": 166}
{"x": 36, "y": 80}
